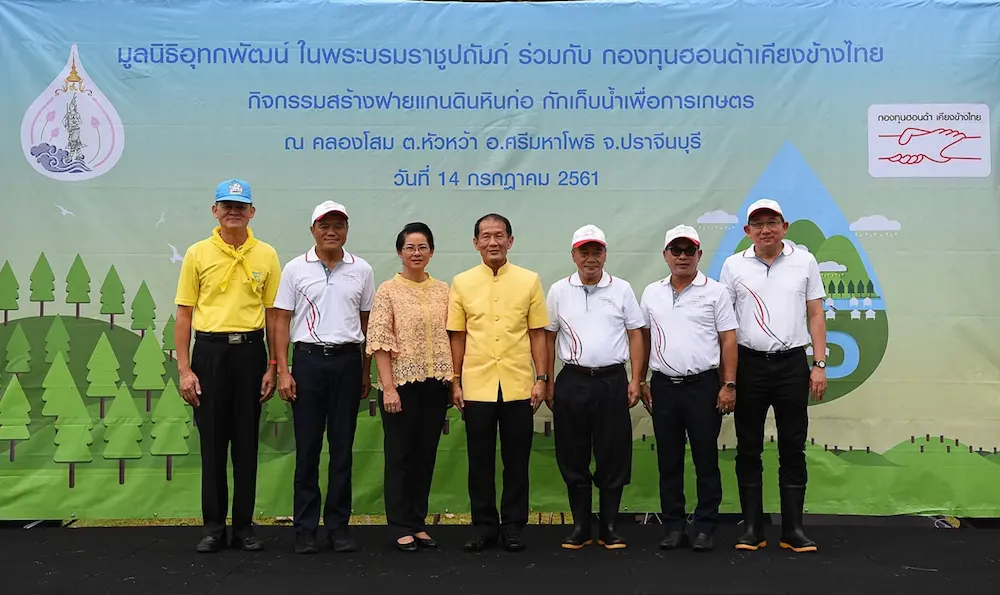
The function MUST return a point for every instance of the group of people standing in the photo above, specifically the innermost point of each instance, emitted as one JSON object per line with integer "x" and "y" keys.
{"x": 487, "y": 344}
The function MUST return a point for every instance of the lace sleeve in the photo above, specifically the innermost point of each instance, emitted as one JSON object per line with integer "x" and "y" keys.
{"x": 381, "y": 330}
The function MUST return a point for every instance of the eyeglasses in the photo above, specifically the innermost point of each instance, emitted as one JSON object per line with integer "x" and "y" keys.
{"x": 773, "y": 224}
{"x": 688, "y": 250}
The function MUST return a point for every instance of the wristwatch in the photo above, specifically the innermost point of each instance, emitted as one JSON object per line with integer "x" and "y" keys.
{"x": 542, "y": 377}
{"x": 821, "y": 364}
{"x": 730, "y": 385}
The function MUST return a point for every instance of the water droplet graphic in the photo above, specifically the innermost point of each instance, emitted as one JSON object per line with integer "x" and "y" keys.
{"x": 855, "y": 307}
{"x": 91, "y": 139}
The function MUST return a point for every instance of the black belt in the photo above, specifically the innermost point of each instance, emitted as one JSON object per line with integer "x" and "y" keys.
{"x": 772, "y": 355}
{"x": 328, "y": 350}
{"x": 686, "y": 379}
{"x": 596, "y": 372}
{"x": 231, "y": 338}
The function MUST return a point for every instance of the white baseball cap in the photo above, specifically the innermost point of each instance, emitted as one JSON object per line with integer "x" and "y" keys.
{"x": 764, "y": 204}
{"x": 327, "y": 207}
{"x": 588, "y": 233}
{"x": 681, "y": 231}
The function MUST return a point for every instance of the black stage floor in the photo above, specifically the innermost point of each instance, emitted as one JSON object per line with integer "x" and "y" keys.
{"x": 852, "y": 560}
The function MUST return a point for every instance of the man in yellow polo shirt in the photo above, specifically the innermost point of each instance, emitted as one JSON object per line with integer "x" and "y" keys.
{"x": 497, "y": 319}
{"x": 225, "y": 294}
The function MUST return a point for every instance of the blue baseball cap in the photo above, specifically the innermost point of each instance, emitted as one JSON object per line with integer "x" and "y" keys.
{"x": 234, "y": 190}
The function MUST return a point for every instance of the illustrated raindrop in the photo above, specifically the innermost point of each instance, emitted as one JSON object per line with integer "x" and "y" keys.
{"x": 72, "y": 132}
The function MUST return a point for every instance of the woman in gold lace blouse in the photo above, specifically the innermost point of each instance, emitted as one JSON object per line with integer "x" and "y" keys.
{"x": 407, "y": 337}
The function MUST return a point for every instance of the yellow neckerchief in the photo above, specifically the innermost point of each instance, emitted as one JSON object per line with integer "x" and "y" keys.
{"x": 238, "y": 255}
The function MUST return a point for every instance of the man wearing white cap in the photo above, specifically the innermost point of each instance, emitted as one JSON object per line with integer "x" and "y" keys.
{"x": 776, "y": 288}
{"x": 325, "y": 296}
{"x": 595, "y": 327}
{"x": 691, "y": 343}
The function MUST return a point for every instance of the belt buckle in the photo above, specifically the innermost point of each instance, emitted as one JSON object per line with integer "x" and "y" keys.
{"x": 235, "y": 338}
{"x": 677, "y": 379}
{"x": 328, "y": 349}
{"x": 592, "y": 372}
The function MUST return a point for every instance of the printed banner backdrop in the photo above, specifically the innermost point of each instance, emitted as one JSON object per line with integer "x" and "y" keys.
{"x": 871, "y": 124}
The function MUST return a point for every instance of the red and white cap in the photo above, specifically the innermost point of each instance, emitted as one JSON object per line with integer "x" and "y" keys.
{"x": 588, "y": 233}
{"x": 764, "y": 204}
{"x": 682, "y": 231}
{"x": 325, "y": 208}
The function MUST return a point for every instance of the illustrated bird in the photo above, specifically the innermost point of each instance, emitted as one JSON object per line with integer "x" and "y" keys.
{"x": 64, "y": 212}
{"x": 162, "y": 219}
{"x": 175, "y": 257}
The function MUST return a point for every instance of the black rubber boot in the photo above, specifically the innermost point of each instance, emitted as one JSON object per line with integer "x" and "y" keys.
{"x": 610, "y": 503}
{"x": 752, "y": 503}
{"x": 580, "y": 501}
{"x": 793, "y": 499}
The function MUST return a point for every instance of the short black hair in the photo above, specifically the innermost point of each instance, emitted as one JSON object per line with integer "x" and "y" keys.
{"x": 416, "y": 227}
{"x": 495, "y": 217}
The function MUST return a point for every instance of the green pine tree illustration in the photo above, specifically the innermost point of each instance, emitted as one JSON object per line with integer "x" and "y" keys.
{"x": 77, "y": 284}
{"x": 148, "y": 368}
{"x": 18, "y": 352}
{"x": 56, "y": 340}
{"x": 14, "y": 415}
{"x": 123, "y": 430}
{"x": 43, "y": 284}
{"x": 112, "y": 295}
{"x": 73, "y": 424}
{"x": 170, "y": 426}
{"x": 9, "y": 291}
{"x": 102, "y": 372}
{"x": 168, "y": 337}
{"x": 143, "y": 310}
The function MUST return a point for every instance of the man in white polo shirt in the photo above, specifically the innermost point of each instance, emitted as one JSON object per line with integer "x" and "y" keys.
{"x": 691, "y": 346}
{"x": 595, "y": 328}
{"x": 776, "y": 288}
{"x": 325, "y": 295}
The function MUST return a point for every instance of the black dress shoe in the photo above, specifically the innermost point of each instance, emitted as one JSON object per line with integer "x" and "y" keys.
{"x": 512, "y": 542}
{"x": 341, "y": 542}
{"x": 305, "y": 543}
{"x": 479, "y": 543}
{"x": 428, "y": 543}
{"x": 409, "y": 546}
{"x": 674, "y": 539}
{"x": 209, "y": 544}
{"x": 703, "y": 543}
{"x": 248, "y": 543}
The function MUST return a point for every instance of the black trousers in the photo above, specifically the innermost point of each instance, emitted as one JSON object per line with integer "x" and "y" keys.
{"x": 780, "y": 381}
{"x": 410, "y": 444}
{"x": 515, "y": 420}
{"x": 230, "y": 376}
{"x": 328, "y": 393}
{"x": 592, "y": 415}
{"x": 688, "y": 409}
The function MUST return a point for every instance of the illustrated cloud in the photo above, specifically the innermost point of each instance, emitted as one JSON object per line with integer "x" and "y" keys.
{"x": 829, "y": 266}
{"x": 717, "y": 217}
{"x": 875, "y": 223}
{"x": 802, "y": 247}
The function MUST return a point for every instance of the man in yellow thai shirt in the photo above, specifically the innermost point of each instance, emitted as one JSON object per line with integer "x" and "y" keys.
{"x": 496, "y": 320}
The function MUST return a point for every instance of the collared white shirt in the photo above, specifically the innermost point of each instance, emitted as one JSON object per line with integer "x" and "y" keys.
{"x": 684, "y": 327}
{"x": 771, "y": 300}
{"x": 326, "y": 303}
{"x": 591, "y": 322}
